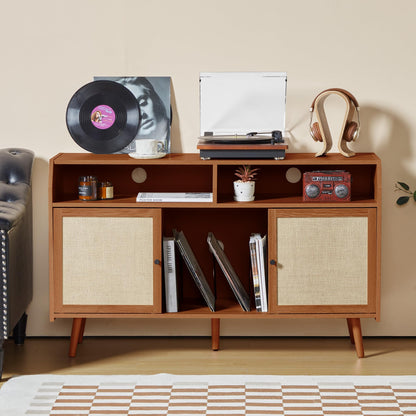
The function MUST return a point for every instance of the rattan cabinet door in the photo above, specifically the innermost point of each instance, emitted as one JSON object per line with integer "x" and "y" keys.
{"x": 322, "y": 260}
{"x": 106, "y": 260}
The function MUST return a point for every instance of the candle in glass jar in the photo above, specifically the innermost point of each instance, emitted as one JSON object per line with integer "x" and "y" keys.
{"x": 87, "y": 188}
{"x": 106, "y": 190}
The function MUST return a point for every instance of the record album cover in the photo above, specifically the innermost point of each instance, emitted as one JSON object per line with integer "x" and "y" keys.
{"x": 153, "y": 97}
{"x": 194, "y": 268}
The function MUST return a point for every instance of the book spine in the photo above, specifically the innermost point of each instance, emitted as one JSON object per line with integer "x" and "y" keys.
{"x": 173, "y": 200}
{"x": 174, "y": 197}
{"x": 171, "y": 298}
{"x": 262, "y": 273}
{"x": 255, "y": 274}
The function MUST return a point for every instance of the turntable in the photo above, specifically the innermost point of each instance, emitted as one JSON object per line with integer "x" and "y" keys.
{"x": 242, "y": 115}
{"x": 253, "y": 145}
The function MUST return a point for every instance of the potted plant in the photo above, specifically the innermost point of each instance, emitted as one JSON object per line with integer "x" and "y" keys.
{"x": 245, "y": 185}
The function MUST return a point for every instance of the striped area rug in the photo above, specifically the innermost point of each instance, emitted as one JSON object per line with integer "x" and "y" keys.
{"x": 166, "y": 394}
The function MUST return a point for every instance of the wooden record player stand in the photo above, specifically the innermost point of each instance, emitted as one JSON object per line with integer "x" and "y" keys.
{"x": 323, "y": 258}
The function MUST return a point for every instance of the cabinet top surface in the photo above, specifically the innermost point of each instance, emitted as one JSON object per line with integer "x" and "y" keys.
{"x": 194, "y": 159}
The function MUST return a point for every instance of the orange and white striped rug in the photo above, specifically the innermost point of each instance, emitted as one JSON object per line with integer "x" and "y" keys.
{"x": 166, "y": 394}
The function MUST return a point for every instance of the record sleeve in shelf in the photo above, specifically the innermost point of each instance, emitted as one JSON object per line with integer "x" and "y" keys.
{"x": 194, "y": 268}
{"x": 229, "y": 272}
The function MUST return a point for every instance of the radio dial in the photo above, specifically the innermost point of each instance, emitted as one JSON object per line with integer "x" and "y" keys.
{"x": 312, "y": 191}
{"x": 341, "y": 191}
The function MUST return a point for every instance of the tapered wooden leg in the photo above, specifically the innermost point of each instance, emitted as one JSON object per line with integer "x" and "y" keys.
{"x": 350, "y": 330}
{"x": 357, "y": 335}
{"x": 75, "y": 336}
{"x": 81, "y": 333}
{"x": 215, "y": 334}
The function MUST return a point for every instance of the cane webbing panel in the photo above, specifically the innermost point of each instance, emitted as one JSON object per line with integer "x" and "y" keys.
{"x": 107, "y": 261}
{"x": 322, "y": 261}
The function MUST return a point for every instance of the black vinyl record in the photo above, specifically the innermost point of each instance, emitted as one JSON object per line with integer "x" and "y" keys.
{"x": 103, "y": 117}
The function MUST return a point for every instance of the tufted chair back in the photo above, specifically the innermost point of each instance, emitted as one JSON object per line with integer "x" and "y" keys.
{"x": 16, "y": 244}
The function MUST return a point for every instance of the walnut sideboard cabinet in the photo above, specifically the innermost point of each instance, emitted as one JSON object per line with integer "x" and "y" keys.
{"x": 323, "y": 258}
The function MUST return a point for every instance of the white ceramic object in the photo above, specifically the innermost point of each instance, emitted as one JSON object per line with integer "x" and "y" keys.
{"x": 244, "y": 191}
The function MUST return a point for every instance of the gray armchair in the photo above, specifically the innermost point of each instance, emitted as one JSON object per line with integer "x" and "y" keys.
{"x": 16, "y": 243}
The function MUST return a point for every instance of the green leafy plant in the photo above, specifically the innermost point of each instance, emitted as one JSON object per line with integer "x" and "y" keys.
{"x": 404, "y": 187}
{"x": 246, "y": 173}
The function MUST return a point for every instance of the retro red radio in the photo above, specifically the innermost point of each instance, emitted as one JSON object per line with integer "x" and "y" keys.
{"x": 327, "y": 185}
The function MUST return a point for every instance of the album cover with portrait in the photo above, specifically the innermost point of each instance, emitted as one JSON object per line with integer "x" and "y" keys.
{"x": 153, "y": 97}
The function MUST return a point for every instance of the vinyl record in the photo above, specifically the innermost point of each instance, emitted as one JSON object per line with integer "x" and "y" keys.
{"x": 103, "y": 117}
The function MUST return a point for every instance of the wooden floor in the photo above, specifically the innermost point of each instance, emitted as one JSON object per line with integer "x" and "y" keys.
{"x": 188, "y": 355}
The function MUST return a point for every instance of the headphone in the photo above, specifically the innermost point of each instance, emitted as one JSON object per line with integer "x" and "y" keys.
{"x": 351, "y": 129}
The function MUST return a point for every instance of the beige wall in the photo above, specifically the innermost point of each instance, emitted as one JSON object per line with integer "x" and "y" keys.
{"x": 50, "y": 48}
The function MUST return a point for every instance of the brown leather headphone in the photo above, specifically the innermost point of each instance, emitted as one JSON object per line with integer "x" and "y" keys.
{"x": 352, "y": 128}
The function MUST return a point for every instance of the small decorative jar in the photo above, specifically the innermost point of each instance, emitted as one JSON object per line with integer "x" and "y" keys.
{"x": 105, "y": 190}
{"x": 87, "y": 188}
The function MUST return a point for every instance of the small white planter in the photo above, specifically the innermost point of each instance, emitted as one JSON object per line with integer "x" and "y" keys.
{"x": 244, "y": 191}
